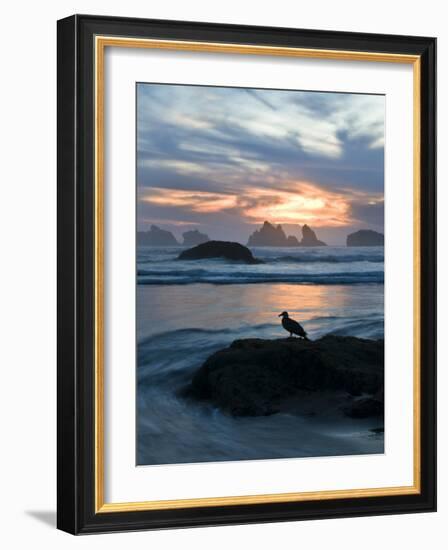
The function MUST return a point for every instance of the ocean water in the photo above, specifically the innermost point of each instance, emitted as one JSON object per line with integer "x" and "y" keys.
{"x": 186, "y": 310}
{"x": 320, "y": 265}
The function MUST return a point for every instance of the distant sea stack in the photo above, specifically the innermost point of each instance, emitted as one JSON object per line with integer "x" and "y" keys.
{"x": 194, "y": 237}
{"x": 156, "y": 237}
{"x": 365, "y": 237}
{"x": 271, "y": 235}
{"x": 309, "y": 237}
{"x": 219, "y": 249}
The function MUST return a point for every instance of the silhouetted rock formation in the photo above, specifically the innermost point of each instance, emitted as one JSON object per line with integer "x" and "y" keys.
{"x": 364, "y": 407}
{"x": 268, "y": 235}
{"x": 365, "y": 237}
{"x": 258, "y": 377}
{"x": 271, "y": 235}
{"x": 156, "y": 237}
{"x": 220, "y": 249}
{"x": 309, "y": 237}
{"x": 292, "y": 241}
{"x": 194, "y": 237}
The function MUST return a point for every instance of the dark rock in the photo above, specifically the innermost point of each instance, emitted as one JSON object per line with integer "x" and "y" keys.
{"x": 194, "y": 237}
{"x": 269, "y": 235}
{"x": 309, "y": 237}
{"x": 251, "y": 377}
{"x": 365, "y": 407}
{"x": 156, "y": 237}
{"x": 365, "y": 237}
{"x": 292, "y": 241}
{"x": 220, "y": 249}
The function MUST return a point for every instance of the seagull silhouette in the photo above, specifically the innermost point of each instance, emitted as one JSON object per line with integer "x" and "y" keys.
{"x": 293, "y": 327}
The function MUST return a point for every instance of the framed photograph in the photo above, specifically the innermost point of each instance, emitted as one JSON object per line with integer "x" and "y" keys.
{"x": 246, "y": 274}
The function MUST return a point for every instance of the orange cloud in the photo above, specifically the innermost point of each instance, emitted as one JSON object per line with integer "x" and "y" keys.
{"x": 197, "y": 201}
{"x": 301, "y": 203}
{"x": 296, "y": 203}
{"x": 179, "y": 223}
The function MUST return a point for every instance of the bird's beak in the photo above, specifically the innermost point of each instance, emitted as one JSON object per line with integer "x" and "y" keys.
{"x": 281, "y": 314}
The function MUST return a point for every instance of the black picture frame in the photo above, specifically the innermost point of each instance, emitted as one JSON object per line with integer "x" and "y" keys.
{"x": 76, "y": 285}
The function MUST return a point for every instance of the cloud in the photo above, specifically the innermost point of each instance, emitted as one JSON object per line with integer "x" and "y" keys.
{"x": 300, "y": 203}
{"x": 288, "y": 156}
{"x": 259, "y": 98}
{"x": 311, "y": 119}
{"x": 194, "y": 200}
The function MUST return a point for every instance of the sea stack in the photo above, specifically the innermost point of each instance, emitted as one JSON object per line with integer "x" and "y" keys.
{"x": 309, "y": 237}
{"x": 365, "y": 237}
{"x": 156, "y": 237}
{"x": 269, "y": 235}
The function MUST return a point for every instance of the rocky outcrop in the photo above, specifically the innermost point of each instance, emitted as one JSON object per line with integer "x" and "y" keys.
{"x": 156, "y": 237}
{"x": 257, "y": 377}
{"x": 220, "y": 249}
{"x": 366, "y": 407}
{"x": 365, "y": 237}
{"x": 292, "y": 241}
{"x": 271, "y": 235}
{"x": 268, "y": 235}
{"x": 309, "y": 237}
{"x": 194, "y": 237}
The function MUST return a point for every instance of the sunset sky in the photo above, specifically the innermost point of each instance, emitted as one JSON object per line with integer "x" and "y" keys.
{"x": 223, "y": 160}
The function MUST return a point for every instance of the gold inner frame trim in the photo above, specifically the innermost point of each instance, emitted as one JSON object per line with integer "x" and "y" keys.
{"x": 101, "y": 42}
